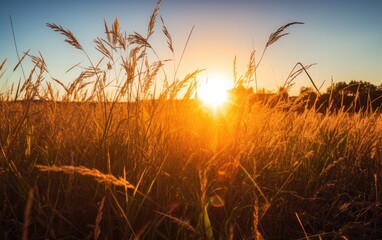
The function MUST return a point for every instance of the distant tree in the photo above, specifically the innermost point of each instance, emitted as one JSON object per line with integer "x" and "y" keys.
{"x": 354, "y": 88}
{"x": 354, "y": 96}
{"x": 306, "y": 90}
{"x": 308, "y": 97}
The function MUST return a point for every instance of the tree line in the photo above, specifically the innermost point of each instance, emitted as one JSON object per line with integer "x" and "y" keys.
{"x": 354, "y": 96}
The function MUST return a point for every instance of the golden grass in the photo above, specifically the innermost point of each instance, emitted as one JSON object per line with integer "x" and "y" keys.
{"x": 70, "y": 38}
{"x": 94, "y": 173}
{"x": 243, "y": 172}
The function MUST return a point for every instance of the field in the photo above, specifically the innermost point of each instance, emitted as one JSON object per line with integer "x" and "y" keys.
{"x": 95, "y": 163}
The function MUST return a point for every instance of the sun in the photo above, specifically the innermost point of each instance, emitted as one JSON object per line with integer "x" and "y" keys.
{"x": 214, "y": 91}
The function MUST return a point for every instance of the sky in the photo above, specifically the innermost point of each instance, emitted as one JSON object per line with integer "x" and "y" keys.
{"x": 343, "y": 37}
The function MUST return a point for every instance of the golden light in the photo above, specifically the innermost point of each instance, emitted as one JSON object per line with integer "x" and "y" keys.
{"x": 214, "y": 91}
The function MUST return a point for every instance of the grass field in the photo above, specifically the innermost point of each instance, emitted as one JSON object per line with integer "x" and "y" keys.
{"x": 126, "y": 162}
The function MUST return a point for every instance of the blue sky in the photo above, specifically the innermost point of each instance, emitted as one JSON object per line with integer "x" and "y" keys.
{"x": 343, "y": 37}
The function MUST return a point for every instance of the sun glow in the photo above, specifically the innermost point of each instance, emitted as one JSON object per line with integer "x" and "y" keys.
{"x": 214, "y": 91}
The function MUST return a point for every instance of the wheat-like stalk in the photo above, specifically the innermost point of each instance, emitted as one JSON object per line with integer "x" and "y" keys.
{"x": 151, "y": 73}
{"x": 84, "y": 171}
{"x": 97, "y": 228}
{"x": 138, "y": 39}
{"x": 39, "y": 61}
{"x": 153, "y": 17}
{"x": 1, "y": 67}
{"x": 68, "y": 34}
{"x": 21, "y": 59}
{"x": 168, "y": 36}
{"x": 279, "y": 33}
{"x": 2, "y": 64}
{"x": 107, "y": 32}
{"x": 181, "y": 223}
{"x": 102, "y": 49}
{"x": 174, "y": 89}
{"x": 274, "y": 37}
{"x": 115, "y": 31}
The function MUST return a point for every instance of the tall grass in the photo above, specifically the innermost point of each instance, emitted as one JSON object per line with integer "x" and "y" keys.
{"x": 111, "y": 157}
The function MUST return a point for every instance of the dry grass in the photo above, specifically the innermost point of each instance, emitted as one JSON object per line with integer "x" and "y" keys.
{"x": 94, "y": 173}
{"x": 70, "y": 38}
{"x": 172, "y": 169}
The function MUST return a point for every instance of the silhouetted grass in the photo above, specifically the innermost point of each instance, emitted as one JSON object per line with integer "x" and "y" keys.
{"x": 112, "y": 156}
